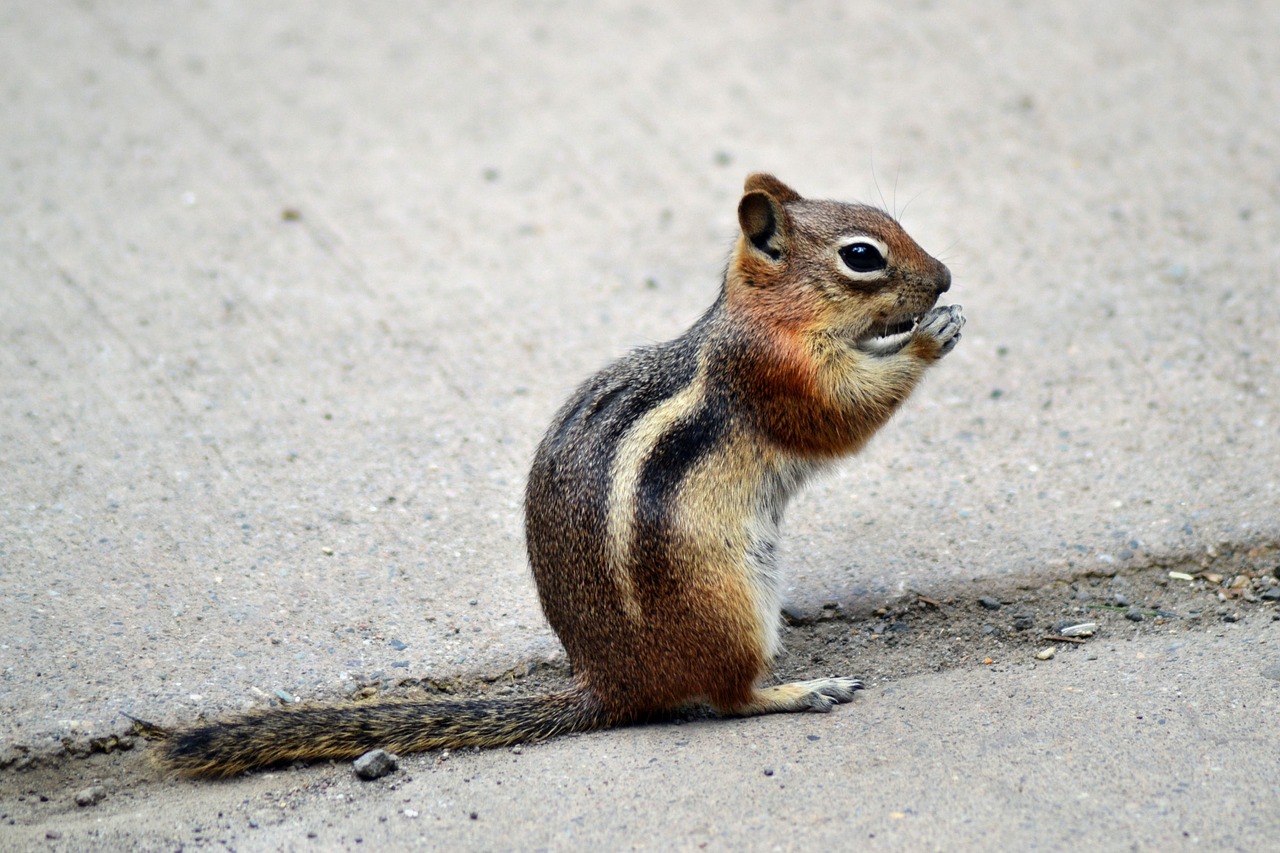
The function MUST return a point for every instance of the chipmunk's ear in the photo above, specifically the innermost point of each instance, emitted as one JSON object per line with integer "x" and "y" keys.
{"x": 762, "y": 215}
{"x": 760, "y": 182}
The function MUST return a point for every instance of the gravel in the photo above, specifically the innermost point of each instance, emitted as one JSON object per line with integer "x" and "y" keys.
{"x": 91, "y": 796}
{"x": 375, "y": 764}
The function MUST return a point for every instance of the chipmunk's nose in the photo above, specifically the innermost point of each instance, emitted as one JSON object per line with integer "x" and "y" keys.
{"x": 944, "y": 280}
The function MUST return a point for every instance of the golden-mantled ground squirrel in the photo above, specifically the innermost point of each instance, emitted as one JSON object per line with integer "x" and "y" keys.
{"x": 654, "y": 503}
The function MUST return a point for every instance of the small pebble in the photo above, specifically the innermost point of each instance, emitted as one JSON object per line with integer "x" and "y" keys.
{"x": 1181, "y": 576}
{"x": 1133, "y": 616}
{"x": 1231, "y": 617}
{"x": 990, "y": 603}
{"x": 1272, "y": 594}
{"x": 1046, "y": 654}
{"x": 768, "y": 771}
{"x": 91, "y": 796}
{"x": 1023, "y": 622}
{"x": 52, "y": 834}
{"x": 375, "y": 764}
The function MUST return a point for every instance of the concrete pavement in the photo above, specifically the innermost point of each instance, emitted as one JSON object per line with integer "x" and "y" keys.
{"x": 288, "y": 294}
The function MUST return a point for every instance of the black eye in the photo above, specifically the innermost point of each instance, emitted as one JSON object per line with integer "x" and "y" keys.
{"x": 862, "y": 257}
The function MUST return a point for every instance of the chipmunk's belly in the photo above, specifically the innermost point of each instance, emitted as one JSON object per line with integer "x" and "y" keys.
{"x": 732, "y": 506}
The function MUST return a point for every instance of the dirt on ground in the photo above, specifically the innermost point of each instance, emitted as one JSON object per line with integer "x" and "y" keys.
{"x": 995, "y": 626}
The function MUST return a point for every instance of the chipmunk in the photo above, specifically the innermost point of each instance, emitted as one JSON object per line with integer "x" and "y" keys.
{"x": 654, "y": 502}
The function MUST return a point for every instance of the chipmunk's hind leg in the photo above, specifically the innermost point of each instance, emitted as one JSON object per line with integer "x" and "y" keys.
{"x": 821, "y": 694}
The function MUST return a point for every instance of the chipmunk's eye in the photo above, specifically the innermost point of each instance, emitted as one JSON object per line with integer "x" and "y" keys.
{"x": 862, "y": 257}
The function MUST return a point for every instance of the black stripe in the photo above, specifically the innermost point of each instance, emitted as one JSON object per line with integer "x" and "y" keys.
{"x": 673, "y": 457}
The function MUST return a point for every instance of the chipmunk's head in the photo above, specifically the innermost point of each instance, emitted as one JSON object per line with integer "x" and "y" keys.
{"x": 823, "y": 266}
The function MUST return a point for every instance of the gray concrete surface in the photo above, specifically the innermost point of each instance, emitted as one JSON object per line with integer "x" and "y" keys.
{"x": 1125, "y": 749}
{"x": 288, "y": 293}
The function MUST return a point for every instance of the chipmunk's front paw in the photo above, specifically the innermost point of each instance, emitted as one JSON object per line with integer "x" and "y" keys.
{"x": 943, "y": 324}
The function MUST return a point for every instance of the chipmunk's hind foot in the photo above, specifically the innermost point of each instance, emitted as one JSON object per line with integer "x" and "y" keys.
{"x": 821, "y": 694}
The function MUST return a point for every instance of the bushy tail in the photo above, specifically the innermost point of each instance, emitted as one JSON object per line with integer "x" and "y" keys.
{"x": 307, "y": 733}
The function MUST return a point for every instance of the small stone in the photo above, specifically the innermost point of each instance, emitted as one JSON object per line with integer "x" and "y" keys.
{"x": 52, "y": 834}
{"x": 375, "y": 764}
{"x": 398, "y": 645}
{"x": 1121, "y": 599}
{"x": 1272, "y": 594}
{"x": 1133, "y": 616}
{"x": 768, "y": 771}
{"x": 1231, "y": 617}
{"x": 1181, "y": 576}
{"x": 1023, "y": 622}
{"x": 91, "y": 796}
{"x": 1046, "y": 654}
{"x": 990, "y": 603}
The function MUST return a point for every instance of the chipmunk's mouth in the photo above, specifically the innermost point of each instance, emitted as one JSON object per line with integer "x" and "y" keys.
{"x": 889, "y": 337}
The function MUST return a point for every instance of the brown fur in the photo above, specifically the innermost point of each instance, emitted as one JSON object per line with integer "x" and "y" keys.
{"x": 654, "y": 500}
